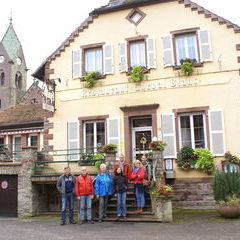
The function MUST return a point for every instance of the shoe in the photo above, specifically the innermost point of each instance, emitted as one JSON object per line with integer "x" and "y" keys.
{"x": 140, "y": 210}
{"x": 80, "y": 222}
{"x": 137, "y": 211}
{"x": 72, "y": 222}
{"x": 117, "y": 218}
{"x": 62, "y": 223}
{"x": 100, "y": 220}
{"x": 90, "y": 222}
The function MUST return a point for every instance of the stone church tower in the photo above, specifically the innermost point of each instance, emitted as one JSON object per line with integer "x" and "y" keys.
{"x": 13, "y": 69}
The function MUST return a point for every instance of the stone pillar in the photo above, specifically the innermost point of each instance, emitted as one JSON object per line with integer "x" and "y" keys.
{"x": 162, "y": 208}
{"x": 158, "y": 163}
{"x": 110, "y": 161}
{"x": 26, "y": 190}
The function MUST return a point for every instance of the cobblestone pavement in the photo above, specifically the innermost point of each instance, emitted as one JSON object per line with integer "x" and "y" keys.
{"x": 187, "y": 226}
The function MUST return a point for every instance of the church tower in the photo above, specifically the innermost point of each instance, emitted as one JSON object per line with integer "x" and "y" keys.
{"x": 13, "y": 69}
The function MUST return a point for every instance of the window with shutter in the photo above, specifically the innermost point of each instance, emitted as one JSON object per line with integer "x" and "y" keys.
{"x": 168, "y": 135}
{"x": 205, "y": 46}
{"x": 93, "y": 60}
{"x": 76, "y": 64}
{"x": 73, "y": 140}
{"x": 108, "y": 59}
{"x": 167, "y": 50}
{"x": 123, "y": 63}
{"x": 113, "y": 130}
{"x": 217, "y": 138}
{"x": 137, "y": 53}
{"x": 151, "y": 53}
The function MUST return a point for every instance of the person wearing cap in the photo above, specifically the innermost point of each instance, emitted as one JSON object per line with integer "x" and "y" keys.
{"x": 84, "y": 193}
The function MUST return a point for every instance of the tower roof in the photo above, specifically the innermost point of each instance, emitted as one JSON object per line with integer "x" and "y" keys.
{"x": 11, "y": 42}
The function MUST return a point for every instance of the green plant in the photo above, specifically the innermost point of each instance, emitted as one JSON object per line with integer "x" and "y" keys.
{"x": 225, "y": 185}
{"x": 230, "y": 201}
{"x": 186, "y": 158}
{"x": 161, "y": 191}
{"x": 157, "y": 145}
{"x": 205, "y": 160}
{"x": 86, "y": 157}
{"x": 109, "y": 148}
{"x": 137, "y": 74}
{"x": 187, "y": 66}
{"x": 98, "y": 159}
{"x": 231, "y": 158}
{"x": 91, "y": 78}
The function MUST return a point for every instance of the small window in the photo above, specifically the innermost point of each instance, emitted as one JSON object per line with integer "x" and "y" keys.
{"x": 192, "y": 130}
{"x": 94, "y": 135}
{"x": 2, "y": 78}
{"x": 33, "y": 141}
{"x": 186, "y": 47}
{"x": 93, "y": 60}
{"x": 18, "y": 80}
{"x": 138, "y": 53}
{"x": 135, "y": 16}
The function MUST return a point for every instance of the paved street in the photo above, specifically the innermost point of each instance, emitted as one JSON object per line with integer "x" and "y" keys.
{"x": 186, "y": 226}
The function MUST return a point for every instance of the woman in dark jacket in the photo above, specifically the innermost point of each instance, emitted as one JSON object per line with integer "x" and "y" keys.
{"x": 120, "y": 189}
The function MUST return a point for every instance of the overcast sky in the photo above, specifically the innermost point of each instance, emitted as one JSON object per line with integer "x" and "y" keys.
{"x": 42, "y": 25}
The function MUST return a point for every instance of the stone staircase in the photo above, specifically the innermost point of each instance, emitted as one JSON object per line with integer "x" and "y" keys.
{"x": 146, "y": 216}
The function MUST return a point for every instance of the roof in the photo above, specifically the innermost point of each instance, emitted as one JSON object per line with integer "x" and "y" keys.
{"x": 117, "y": 5}
{"x": 23, "y": 114}
{"x": 11, "y": 42}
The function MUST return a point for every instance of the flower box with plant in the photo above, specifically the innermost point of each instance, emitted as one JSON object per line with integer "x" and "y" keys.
{"x": 91, "y": 79}
{"x": 205, "y": 160}
{"x": 137, "y": 74}
{"x": 157, "y": 145}
{"x": 109, "y": 148}
{"x": 187, "y": 66}
{"x": 98, "y": 159}
{"x": 161, "y": 191}
{"x": 231, "y": 158}
{"x": 186, "y": 159}
{"x": 226, "y": 191}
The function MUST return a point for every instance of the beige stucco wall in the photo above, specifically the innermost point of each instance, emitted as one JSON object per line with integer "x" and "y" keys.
{"x": 214, "y": 85}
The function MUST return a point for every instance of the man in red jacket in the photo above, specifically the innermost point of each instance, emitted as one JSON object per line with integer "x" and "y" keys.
{"x": 126, "y": 168}
{"x": 84, "y": 192}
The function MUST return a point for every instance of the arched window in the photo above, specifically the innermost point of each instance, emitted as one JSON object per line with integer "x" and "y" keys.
{"x": 2, "y": 78}
{"x": 18, "y": 80}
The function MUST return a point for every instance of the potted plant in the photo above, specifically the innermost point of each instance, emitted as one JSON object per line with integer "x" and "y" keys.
{"x": 98, "y": 159}
{"x": 226, "y": 190}
{"x": 157, "y": 145}
{"x": 187, "y": 66}
{"x": 109, "y": 148}
{"x": 91, "y": 79}
{"x": 205, "y": 160}
{"x": 186, "y": 159}
{"x": 137, "y": 74}
{"x": 231, "y": 158}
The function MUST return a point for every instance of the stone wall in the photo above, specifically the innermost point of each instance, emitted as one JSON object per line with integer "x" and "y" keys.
{"x": 195, "y": 193}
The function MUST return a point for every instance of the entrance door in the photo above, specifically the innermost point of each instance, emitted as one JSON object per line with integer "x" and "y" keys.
{"x": 141, "y": 136}
{"x": 8, "y": 195}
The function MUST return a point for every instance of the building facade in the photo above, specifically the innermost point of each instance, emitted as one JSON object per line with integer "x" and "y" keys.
{"x": 13, "y": 69}
{"x": 200, "y": 110}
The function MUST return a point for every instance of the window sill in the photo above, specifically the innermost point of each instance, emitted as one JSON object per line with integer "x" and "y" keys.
{"x": 178, "y": 67}
{"x": 145, "y": 71}
{"x": 83, "y": 80}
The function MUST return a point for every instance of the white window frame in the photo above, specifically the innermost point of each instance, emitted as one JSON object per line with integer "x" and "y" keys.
{"x": 94, "y": 133}
{"x": 192, "y": 128}
{"x": 94, "y": 62}
{"x": 29, "y": 139}
{"x": 186, "y": 47}
{"x": 145, "y": 51}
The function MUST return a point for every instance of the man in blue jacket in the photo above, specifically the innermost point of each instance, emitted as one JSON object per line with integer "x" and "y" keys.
{"x": 103, "y": 188}
{"x": 66, "y": 185}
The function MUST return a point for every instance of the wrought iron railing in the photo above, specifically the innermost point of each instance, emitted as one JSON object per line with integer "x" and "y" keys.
{"x": 8, "y": 152}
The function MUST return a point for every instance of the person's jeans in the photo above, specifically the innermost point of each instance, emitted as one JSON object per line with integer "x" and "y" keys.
{"x": 67, "y": 202}
{"x": 121, "y": 204}
{"x": 103, "y": 201}
{"x": 139, "y": 191}
{"x": 85, "y": 201}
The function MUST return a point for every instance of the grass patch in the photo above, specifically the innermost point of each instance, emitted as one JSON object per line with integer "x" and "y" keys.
{"x": 222, "y": 219}
{"x": 193, "y": 210}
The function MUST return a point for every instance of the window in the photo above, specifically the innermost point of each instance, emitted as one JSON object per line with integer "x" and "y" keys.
{"x": 93, "y": 60}
{"x": 186, "y": 47}
{"x": 138, "y": 53}
{"x": 18, "y": 80}
{"x": 94, "y": 135}
{"x": 135, "y": 16}
{"x": 33, "y": 140}
{"x": 2, "y": 78}
{"x": 192, "y": 130}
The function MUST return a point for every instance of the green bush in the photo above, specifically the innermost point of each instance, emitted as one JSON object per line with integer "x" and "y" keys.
{"x": 91, "y": 79}
{"x": 186, "y": 158}
{"x": 205, "y": 160}
{"x": 226, "y": 185}
{"x": 137, "y": 74}
{"x": 187, "y": 66}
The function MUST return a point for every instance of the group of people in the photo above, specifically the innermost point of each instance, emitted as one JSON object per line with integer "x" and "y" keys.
{"x": 103, "y": 187}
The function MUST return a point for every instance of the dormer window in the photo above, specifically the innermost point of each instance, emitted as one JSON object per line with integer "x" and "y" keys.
{"x": 135, "y": 16}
